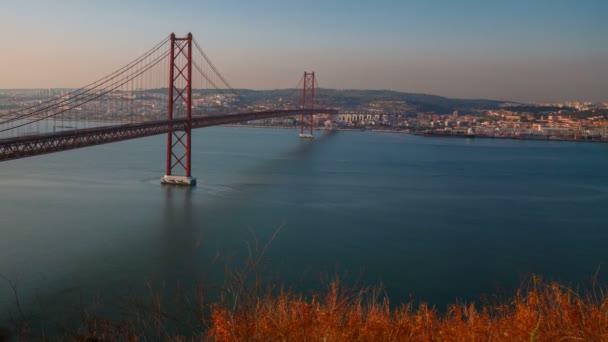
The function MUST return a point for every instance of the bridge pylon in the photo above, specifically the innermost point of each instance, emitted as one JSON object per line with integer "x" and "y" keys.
{"x": 308, "y": 102}
{"x": 179, "y": 142}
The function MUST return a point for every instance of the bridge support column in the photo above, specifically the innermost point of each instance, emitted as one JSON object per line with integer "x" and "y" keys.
{"x": 308, "y": 102}
{"x": 179, "y": 143}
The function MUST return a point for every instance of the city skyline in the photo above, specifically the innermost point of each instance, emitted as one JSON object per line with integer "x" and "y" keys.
{"x": 542, "y": 52}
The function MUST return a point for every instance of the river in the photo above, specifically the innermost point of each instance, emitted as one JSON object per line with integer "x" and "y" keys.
{"x": 435, "y": 219}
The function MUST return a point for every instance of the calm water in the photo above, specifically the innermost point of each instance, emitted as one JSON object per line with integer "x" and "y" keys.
{"x": 439, "y": 219}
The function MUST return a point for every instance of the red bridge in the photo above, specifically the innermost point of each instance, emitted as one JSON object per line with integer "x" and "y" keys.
{"x": 131, "y": 102}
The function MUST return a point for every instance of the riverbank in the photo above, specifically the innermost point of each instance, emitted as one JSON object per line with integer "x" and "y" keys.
{"x": 291, "y": 127}
{"x": 539, "y": 138}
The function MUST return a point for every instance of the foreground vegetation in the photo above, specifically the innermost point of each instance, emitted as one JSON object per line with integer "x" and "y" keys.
{"x": 544, "y": 312}
{"x": 246, "y": 310}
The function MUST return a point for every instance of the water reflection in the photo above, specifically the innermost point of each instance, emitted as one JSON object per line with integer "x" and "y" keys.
{"x": 182, "y": 236}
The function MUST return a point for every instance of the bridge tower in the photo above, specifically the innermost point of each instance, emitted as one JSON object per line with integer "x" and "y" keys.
{"x": 179, "y": 142}
{"x": 308, "y": 102}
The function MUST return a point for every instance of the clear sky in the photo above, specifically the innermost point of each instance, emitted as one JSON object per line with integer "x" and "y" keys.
{"x": 525, "y": 50}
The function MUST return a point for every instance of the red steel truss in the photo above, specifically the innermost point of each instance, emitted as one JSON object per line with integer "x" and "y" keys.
{"x": 180, "y": 96}
{"x": 308, "y": 100}
{"x": 28, "y": 146}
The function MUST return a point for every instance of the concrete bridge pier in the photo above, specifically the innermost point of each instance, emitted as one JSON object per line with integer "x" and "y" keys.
{"x": 178, "y": 180}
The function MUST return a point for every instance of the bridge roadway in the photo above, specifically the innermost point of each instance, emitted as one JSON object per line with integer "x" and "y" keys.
{"x": 28, "y": 146}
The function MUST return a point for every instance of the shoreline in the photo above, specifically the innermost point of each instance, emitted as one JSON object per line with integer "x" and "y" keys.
{"x": 378, "y": 131}
{"x": 421, "y": 134}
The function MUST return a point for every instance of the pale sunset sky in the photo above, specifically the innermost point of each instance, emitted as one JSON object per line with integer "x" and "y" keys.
{"x": 521, "y": 50}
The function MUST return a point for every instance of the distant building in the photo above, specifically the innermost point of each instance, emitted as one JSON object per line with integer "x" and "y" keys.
{"x": 359, "y": 117}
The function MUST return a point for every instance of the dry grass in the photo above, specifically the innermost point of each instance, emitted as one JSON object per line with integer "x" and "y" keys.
{"x": 544, "y": 312}
{"x": 541, "y": 312}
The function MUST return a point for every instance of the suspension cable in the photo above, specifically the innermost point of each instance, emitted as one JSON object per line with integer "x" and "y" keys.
{"x": 87, "y": 87}
{"x": 106, "y": 91}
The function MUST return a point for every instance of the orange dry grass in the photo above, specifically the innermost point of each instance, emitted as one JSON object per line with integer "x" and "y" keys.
{"x": 546, "y": 312}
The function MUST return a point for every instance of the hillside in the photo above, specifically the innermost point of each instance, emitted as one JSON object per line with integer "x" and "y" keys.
{"x": 352, "y": 99}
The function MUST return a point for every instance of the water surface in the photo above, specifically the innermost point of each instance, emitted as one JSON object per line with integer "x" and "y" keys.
{"x": 439, "y": 219}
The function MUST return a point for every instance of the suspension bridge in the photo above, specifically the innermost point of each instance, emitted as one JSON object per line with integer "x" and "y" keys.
{"x": 171, "y": 89}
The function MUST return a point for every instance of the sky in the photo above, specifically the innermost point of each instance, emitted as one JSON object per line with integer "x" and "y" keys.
{"x": 528, "y": 51}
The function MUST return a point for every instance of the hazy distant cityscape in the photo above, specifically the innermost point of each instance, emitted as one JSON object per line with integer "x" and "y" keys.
{"x": 375, "y": 110}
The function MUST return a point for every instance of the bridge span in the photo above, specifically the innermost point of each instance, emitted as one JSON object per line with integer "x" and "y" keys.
{"x": 175, "y": 79}
{"x": 33, "y": 145}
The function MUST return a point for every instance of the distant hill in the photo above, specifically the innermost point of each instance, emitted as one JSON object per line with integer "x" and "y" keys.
{"x": 354, "y": 99}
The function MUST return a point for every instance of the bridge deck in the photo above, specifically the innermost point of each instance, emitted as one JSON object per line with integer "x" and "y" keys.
{"x": 28, "y": 146}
